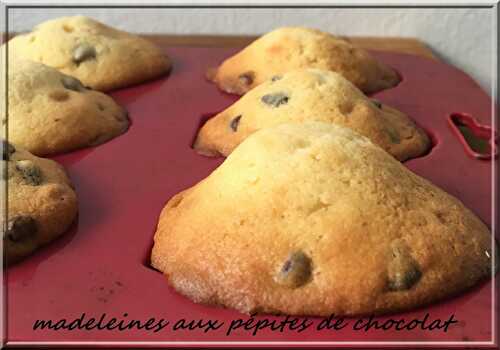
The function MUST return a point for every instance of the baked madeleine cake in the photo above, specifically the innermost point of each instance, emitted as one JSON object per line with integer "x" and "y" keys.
{"x": 41, "y": 202}
{"x": 101, "y": 57}
{"x": 50, "y": 112}
{"x": 312, "y": 95}
{"x": 314, "y": 219}
{"x": 290, "y": 48}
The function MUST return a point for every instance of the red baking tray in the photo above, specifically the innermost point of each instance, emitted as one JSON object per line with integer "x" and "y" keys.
{"x": 101, "y": 265}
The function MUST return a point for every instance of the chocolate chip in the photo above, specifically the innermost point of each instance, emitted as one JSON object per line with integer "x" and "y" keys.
{"x": 296, "y": 270}
{"x": 275, "y": 100}
{"x": 20, "y": 227}
{"x": 30, "y": 172}
{"x": 235, "y": 122}
{"x": 276, "y": 77}
{"x": 246, "y": 78}
{"x": 377, "y": 103}
{"x": 7, "y": 150}
{"x": 405, "y": 279}
{"x": 403, "y": 270}
{"x": 71, "y": 83}
{"x": 83, "y": 52}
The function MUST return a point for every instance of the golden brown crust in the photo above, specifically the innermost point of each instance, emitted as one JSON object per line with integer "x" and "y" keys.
{"x": 50, "y": 112}
{"x": 352, "y": 229}
{"x": 290, "y": 48}
{"x": 41, "y": 203}
{"x": 312, "y": 95}
{"x": 102, "y": 57}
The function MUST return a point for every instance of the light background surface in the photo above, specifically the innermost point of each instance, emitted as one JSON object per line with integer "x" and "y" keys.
{"x": 464, "y": 37}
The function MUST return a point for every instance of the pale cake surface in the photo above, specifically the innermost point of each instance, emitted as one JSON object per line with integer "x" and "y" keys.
{"x": 291, "y": 48}
{"x": 101, "y": 57}
{"x": 312, "y": 95}
{"x": 314, "y": 219}
{"x": 50, "y": 112}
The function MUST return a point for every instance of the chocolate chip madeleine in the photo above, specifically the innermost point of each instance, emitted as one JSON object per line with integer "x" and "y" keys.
{"x": 50, "y": 112}
{"x": 313, "y": 219}
{"x": 101, "y": 57}
{"x": 290, "y": 48}
{"x": 41, "y": 203}
{"x": 312, "y": 95}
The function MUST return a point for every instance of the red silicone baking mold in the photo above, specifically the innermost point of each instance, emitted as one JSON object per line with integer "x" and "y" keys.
{"x": 100, "y": 266}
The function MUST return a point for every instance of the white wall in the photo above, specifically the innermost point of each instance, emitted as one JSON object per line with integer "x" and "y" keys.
{"x": 462, "y": 37}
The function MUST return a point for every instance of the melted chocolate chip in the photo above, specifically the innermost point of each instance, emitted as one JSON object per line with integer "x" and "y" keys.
{"x": 20, "y": 228}
{"x": 403, "y": 270}
{"x": 235, "y": 122}
{"x": 276, "y": 77}
{"x": 71, "y": 83}
{"x": 30, "y": 172}
{"x": 275, "y": 100}
{"x": 7, "y": 150}
{"x": 405, "y": 278}
{"x": 246, "y": 78}
{"x": 83, "y": 52}
{"x": 296, "y": 270}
